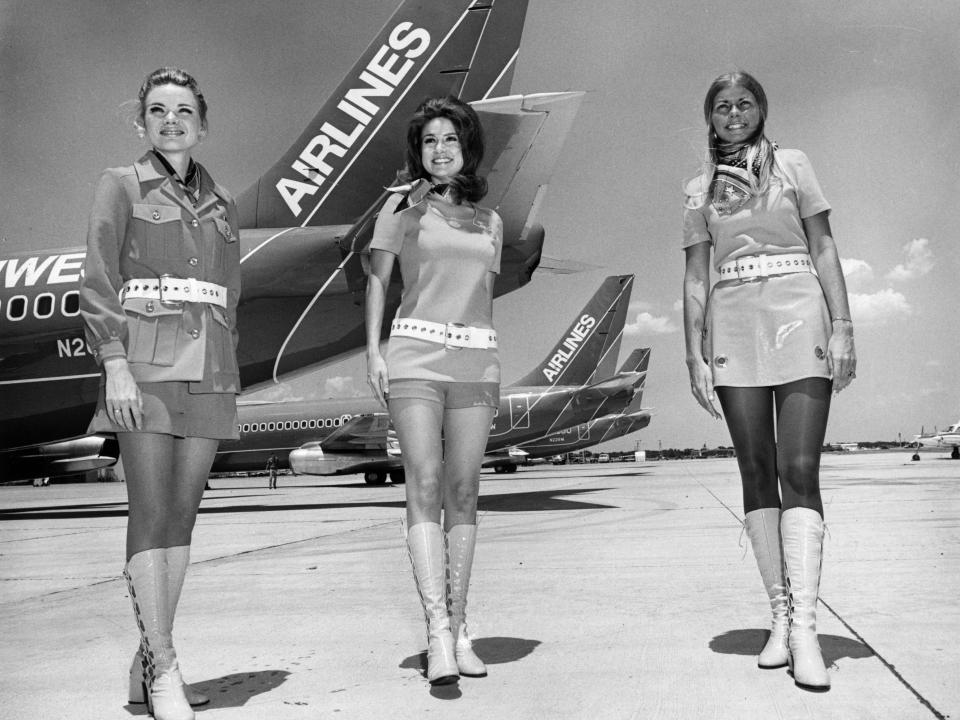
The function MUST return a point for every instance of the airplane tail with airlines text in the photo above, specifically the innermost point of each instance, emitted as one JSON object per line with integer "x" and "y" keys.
{"x": 592, "y": 341}
{"x": 465, "y": 48}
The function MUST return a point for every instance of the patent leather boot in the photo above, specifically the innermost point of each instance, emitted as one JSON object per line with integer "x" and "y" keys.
{"x": 178, "y": 560}
{"x": 425, "y": 543}
{"x": 162, "y": 686}
{"x": 763, "y": 529}
{"x": 801, "y": 530}
{"x": 461, "y": 543}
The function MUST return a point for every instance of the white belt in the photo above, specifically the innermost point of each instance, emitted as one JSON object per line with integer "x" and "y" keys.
{"x": 758, "y": 266}
{"x": 168, "y": 289}
{"x": 451, "y": 335}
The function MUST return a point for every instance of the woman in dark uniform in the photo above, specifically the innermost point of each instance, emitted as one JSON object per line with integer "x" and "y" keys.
{"x": 774, "y": 340}
{"x": 159, "y": 300}
{"x": 442, "y": 370}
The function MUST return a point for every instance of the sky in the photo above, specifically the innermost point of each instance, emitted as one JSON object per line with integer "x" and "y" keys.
{"x": 868, "y": 89}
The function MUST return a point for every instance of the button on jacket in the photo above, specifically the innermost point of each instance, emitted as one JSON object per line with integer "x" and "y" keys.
{"x": 143, "y": 226}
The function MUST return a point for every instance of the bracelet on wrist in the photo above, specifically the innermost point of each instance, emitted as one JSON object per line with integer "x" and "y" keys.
{"x": 841, "y": 319}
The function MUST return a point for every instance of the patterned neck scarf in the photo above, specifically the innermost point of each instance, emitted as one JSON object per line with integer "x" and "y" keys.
{"x": 190, "y": 184}
{"x": 734, "y": 183}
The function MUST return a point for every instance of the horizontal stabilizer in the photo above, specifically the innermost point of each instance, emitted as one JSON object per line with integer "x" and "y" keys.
{"x": 561, "y": 266}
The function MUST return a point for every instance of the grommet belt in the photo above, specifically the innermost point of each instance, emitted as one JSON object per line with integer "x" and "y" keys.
{"x": 750, "y": 267}
{"x": 172, "y": 290}
{"x": 451, "y": 335}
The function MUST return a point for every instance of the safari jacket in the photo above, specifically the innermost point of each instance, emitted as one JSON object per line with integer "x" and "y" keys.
{"x": 144, "y": 226}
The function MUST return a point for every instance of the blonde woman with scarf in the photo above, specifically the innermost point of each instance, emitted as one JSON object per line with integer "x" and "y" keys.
{"x": 770, "y": 342}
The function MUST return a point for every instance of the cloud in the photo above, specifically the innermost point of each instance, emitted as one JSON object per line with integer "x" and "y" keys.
{"x": 858, "y": 273}
{"x": 647, "y": 324}
{"x": 917, "y": 263}
{"x": 879, "y": 307}
{"x": 638, "y": 306}
{"x": 281, "y": 392}
{"x": 340, "y": 386}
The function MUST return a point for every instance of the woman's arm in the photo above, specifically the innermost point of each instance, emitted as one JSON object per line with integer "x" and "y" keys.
{"x": 381, "y": 267}
{"x": 841, "y": 354}
{"x": 696, "y": 282}
{"x": 105, "y": 323}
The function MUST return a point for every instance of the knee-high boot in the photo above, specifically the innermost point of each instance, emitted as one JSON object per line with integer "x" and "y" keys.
{"x": 425, "y": 542}
{"x": 178, "y": 560}
{"x": 763, "y": 529}
{"x": 461, "y": 542}
{"x": 801, "y": 530}
{"x": 163, "y": 687}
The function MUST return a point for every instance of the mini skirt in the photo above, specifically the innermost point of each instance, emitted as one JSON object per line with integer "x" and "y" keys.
{"x": 767, "y": 332}
{"x": 170, "y": 408}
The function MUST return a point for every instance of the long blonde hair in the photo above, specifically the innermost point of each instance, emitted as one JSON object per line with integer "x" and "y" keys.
{"x": 760, "y": 147}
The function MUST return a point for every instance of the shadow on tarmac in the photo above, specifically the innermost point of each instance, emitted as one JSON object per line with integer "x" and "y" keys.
{"x": 492, "y": 650}
{"x": 232, "y": 690}
{"x": 751, "y": 642}
{"x": 542, "y": 500}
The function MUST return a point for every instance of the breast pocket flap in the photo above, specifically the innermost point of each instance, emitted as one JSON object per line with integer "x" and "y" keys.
{"x": 156, "y": 213}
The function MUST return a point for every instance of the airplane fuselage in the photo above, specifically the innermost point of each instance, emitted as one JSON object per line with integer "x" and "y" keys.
{"x": 278, "y": 428}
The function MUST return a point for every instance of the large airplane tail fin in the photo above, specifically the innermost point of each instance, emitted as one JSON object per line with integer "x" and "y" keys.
{"x": 428, "y": 48}
{"x": 589, "y": 342}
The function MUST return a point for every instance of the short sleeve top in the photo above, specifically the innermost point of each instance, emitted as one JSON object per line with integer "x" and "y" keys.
{"x": 445, "y": 254}
{"x": 768, "y": 224}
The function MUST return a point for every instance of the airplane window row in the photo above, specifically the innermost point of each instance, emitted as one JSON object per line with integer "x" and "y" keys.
{"x": 291, "y": 425}
{"x": 44, "y": 306}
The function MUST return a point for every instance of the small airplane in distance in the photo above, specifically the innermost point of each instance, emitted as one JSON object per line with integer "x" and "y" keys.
{"x": 949, "y": 438}
{"x": 304, "y": 226}
{"x": 562, "y": 391}
{"x": 588, "y": 434}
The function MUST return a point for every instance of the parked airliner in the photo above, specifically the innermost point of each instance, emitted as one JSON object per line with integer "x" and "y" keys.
{"x": 305, "y": 224}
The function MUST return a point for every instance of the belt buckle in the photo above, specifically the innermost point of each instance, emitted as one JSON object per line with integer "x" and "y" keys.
{"x": 163, "y": 300}
{"x": 755, "y": 275}
{"x": 447, "y": 334}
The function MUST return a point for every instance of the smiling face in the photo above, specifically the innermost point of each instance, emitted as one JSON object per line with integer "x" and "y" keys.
{"x": 735, "y": 115}
{"x": 171, "y": 119}
{"x": 440, "y": 150}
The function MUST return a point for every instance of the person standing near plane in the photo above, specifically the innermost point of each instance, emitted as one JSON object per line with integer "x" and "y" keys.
{"x": 442, "y": 371}
{"x": 159, "y": 299}
{"x": 272, "y": 463}
{"x": 771, "y": 343}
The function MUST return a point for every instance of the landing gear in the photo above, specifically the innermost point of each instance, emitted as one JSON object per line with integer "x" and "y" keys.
{"x": 375, "y": 477}
{"x": 505, "y": 469}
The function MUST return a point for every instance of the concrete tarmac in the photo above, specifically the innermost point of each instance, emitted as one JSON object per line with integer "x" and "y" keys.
{"x": 619, "y": 591}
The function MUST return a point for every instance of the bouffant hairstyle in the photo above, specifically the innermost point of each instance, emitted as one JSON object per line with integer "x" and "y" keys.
{"x": 467, "y": 185}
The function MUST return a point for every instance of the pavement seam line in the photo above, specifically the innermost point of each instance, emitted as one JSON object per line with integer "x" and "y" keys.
{"x": 886, "y": 663}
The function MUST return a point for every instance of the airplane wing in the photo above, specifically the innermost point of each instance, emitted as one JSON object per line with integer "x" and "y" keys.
{"x": 361, "y": 445}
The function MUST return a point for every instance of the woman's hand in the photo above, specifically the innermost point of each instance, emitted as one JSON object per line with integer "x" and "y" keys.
{"x": 701, "y": 385}
{"x": 377, "y": 377}
{"x": 123, "y": 399}
{"x": 841, "y": 355}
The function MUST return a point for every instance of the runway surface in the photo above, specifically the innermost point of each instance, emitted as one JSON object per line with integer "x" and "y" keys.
{"x": 599, "y": 591}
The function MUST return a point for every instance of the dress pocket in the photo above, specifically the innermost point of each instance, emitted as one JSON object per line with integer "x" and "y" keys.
{"x": 154, "y": 330}
{"x": 156, "y": 231}
{"x": 224, "y": 341}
